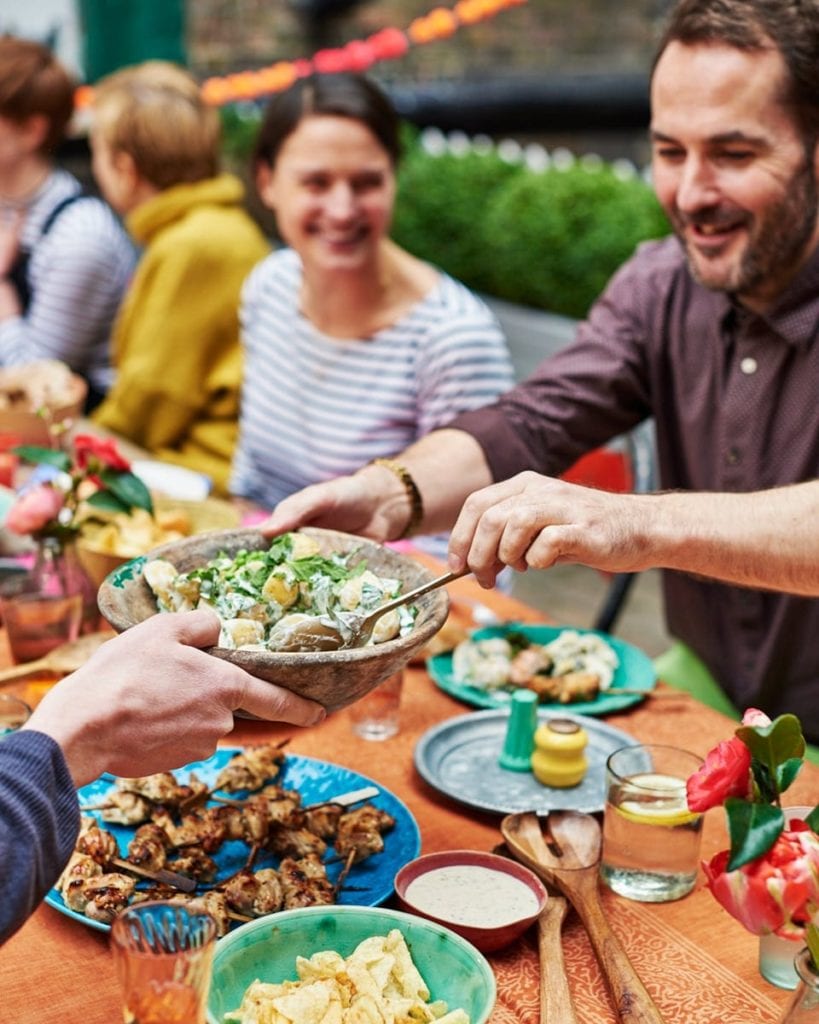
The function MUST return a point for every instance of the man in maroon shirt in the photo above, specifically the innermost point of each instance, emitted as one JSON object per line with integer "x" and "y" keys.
{"x": 714, "y": 333}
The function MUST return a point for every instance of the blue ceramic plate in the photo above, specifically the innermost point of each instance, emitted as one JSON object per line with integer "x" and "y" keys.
{"x": 370, "y": 882}
{"x": 635, "y": 672}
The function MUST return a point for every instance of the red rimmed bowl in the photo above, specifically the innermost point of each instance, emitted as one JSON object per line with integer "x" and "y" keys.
{"x": 487, "y": 899}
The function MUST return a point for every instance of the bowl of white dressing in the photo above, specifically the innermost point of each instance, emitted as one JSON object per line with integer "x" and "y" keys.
{"x": 487, "y": 899}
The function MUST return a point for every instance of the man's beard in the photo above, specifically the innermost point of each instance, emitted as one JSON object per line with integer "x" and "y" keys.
{"x": 778, "y": 243}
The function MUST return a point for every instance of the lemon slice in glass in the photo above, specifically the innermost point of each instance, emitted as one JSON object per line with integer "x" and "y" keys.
{"x": 655, "y": 799}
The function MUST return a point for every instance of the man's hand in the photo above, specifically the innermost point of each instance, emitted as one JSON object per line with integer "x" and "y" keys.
{"x": 150, "y": 700}
{"x": 533, "y": 521}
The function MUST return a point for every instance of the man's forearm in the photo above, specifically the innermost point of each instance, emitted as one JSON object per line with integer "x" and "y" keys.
{"x": 767, "y": 539}
{"x": 447, "y": 466}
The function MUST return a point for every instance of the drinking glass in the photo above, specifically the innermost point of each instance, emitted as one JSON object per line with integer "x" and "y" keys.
{"x": 776, "y": 955}
{"x": 37, "y": 621}
{"x": 375, "y": 716}
{"x": 13, "y": 713}
{"x": 163, "y": 955}
{"x": 651, "y": 841}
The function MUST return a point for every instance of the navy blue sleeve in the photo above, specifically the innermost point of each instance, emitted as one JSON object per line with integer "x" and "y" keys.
{"x": 39, "y": 823}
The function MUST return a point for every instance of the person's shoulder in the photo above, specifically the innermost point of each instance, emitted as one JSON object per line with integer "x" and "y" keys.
{"x": 654, "y": 261}
{"x": 452, "y": 301}
{"x": 280, "y": 269}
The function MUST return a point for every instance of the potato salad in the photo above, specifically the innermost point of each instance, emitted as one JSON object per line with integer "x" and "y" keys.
{"x": 261, "y": 596}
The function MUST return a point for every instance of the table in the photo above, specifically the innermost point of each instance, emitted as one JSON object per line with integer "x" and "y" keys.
{"x": 697, "y": 962}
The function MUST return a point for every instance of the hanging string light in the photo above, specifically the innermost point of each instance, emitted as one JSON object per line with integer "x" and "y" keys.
{"x": 358, "y": 55}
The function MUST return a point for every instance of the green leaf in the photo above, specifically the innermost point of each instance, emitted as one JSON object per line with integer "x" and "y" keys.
{"x": 774, "y": 744}
{"x": 812, "y": 819}
{"x": 130, "y": 490}
{"x": 753, "y": 829}
{"x": 108, "y": 502}
{"x": 812, "y": 938}
{"x": 50, "y": 456}
{"x": 787, "y": 772}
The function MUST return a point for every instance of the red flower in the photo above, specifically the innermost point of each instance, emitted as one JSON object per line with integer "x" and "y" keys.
{"x": 775, "y": 893}
{"x": 35, "y": 509}
{"x": 726, "y": 771}
{"x": 103, "y": 449}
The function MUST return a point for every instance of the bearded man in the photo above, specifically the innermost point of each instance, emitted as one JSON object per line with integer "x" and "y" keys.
{"x": 715, "y": 333}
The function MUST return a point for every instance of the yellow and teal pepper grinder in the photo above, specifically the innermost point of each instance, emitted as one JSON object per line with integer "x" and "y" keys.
{"x": 558, "y": 759}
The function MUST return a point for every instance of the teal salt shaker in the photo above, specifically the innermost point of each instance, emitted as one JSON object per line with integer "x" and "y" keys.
{"x": 516, "y": 755}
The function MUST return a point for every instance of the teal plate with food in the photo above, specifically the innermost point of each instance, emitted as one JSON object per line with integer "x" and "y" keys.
{"x": 369, "y": 881}
{"x": 555, "y": 661}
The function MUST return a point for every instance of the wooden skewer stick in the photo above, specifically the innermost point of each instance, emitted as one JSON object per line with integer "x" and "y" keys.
{"x": 343, "y": 874}
{"x": 178, "y": 881}
{"x": 355, "y": 796}
{"x": 233, "y": 916}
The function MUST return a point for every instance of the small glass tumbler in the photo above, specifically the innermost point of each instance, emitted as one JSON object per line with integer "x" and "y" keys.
{"x": 776, "y": 955}
{"x": 651, "y": 841}
{"x": 14, "y": 713}
{"x": 163, "y": 955}
{"x": 375, "y": 716}
{"x": 36, "y": 621}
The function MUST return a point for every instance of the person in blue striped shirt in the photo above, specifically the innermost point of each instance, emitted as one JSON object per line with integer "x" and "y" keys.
{"x": 353, "y": 347}
{"x": 65, "y": 260}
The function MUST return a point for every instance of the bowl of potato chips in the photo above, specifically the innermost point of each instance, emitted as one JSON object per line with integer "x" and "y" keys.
{"x": 110, "y": 540}
{"x": 345, "y": 962}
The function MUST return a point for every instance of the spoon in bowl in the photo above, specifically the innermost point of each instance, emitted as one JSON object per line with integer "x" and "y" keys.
{"x": 353, "y": 630}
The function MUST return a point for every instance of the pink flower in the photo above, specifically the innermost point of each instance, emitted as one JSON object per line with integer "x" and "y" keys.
{"x": 775, "y": 893}
{"x": 102, "y": 449}
{"x": 726, "y": 771}
{"x": 35, "y": 509}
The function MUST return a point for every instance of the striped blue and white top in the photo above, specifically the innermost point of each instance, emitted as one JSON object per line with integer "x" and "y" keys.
{"x": 316, "y": 407}
{"x": 77, "y": 272}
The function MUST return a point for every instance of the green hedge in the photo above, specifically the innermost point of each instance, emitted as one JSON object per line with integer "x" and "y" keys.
{"x": 548, "y": 239}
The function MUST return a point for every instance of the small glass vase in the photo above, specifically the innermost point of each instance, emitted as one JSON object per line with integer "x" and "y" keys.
{"x": 804, "y": 1005}
{"x": 57, "y": 570}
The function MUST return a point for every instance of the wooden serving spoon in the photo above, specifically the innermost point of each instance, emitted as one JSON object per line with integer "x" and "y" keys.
{"x": 571, "y": 864}
{"x": 555, "y": 998}
{"x": 68, "y": 657}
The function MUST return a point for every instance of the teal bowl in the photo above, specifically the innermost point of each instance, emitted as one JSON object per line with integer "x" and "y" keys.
{"x": 267, "y": 948}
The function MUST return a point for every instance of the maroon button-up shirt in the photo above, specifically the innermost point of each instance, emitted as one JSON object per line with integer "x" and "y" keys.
{"x": 735, "y": 398}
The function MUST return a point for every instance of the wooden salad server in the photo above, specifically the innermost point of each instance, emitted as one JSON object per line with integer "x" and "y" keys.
{"x": 555, "y": 998}
{"x": 574, "y": 870}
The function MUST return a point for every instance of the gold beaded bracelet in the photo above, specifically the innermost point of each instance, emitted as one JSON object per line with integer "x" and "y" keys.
{"x": 414, "y": 495}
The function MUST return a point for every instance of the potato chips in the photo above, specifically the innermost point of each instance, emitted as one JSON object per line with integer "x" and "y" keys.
{"x": 377, "y": 984}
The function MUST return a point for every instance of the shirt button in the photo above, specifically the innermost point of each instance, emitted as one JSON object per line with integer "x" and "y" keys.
{"x": 732, "y": 456}
{"x": 748, "y": 365}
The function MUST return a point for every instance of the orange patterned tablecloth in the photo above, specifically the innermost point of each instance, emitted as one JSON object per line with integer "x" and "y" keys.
{"x": 697, "y": 962}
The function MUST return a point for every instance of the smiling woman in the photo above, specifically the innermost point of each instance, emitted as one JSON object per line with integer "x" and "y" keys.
{"x": 359, "y": 347}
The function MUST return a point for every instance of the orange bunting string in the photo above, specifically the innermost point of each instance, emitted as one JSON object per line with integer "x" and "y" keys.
{"x": 358, "y": 55}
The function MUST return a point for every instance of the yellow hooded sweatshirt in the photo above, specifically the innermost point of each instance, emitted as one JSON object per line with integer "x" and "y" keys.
{"x": 176, "y": 343}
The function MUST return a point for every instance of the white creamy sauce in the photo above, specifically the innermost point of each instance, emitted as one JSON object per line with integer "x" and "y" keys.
{"x": 472, "y": 895}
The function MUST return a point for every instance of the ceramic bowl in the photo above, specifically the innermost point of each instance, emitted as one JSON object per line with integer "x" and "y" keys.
{"x": 500, "y": 928}
{"x": 333, "y": 678}
{"x": 267, "y": 949}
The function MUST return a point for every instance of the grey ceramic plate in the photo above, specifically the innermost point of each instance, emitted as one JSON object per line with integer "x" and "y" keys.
{"x": 459, "y": 758}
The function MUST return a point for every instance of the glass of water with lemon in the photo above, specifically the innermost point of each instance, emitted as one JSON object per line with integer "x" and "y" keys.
{"x": 651, "y": 841}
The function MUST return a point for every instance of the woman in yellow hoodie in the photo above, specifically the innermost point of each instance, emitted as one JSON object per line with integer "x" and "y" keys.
{"x": 176, "y": 345}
